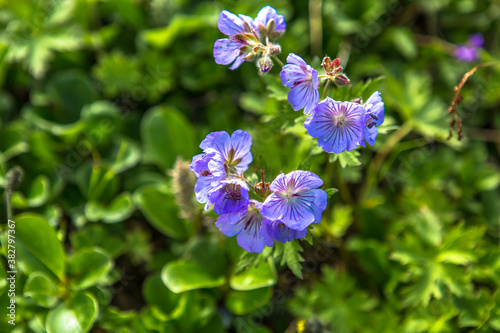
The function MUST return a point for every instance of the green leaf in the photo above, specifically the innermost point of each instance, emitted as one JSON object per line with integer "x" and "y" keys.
{"x": 39, "y": 191}
{"x": 181, "y": 275}
{"x": 70, "y": 91}
{"x": 208, "y": 253}
{"x": 246, "y": 260}
{"x": 474, "y": 312}
{"x": 117, "y": 73}
{"x": 127, "y": 155}
{"x": 162, "y": 38}
{"x": 37, "y": 246}
{"x": 346, "y": 158}
{"x": 404, "y": 42}
{"x": 292, "y": 257}
{"x": 264, "y": 275}
{"x": 41, "y": 289}
{"x": 243, "y": 302}
{"x": 88, "y": 266}
{"x": 166, "y": 134}
{"x": 275, "y": 88}
{"x": 330, "y": 192}
{"x": 118, "y": 210}
{"x": 341, "y": 220}
{"x": 160, "y": 210}
{"x": 157, "y": 294}
{"x": 78, "y": 315}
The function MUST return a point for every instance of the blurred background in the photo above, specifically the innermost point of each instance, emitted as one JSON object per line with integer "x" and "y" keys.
{"x": 104, "y": 103}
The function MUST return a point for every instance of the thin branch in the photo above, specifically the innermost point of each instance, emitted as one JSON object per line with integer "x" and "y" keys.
{"x": 456, "y": 120}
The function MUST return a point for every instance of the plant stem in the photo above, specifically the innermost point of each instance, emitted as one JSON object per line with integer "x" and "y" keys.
{"x": 371, "y": 174}
{"x": 275, "y": 58}
{"x": 325, "y": 89}
{"x": 344, "y": 189}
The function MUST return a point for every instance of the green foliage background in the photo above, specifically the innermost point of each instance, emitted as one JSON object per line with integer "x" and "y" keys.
{"x": 103, "y": 102}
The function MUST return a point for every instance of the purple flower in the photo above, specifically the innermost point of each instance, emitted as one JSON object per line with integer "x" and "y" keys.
{"x": 223, "y": 158}
{"x": 209, "y": 176}
{"x": 295, "y": 202}
{"x": 470, "y": 51}
{"x": 303, "y": 82}
{"x": 263, "y": 19}
{"x": 242, "y": 37}
{"x": 374, "y": 116}
{"x": 337, "y": 125}
{"x": 247, "y": 224}
{"x": 476, "y": 40}
{"x": 232, "y": 151}
{"x": 229, "y": 196}
{"x": 275, "y": 230}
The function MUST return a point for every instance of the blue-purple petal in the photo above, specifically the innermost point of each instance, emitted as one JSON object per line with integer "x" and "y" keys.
{"x": 296, "y": 60}
{"x": 300, "y": 179}
{"x": 334, "y": 137}
{"x": 241, "y": 142}
{"x": 276, "y": 230}
{"x": 320, "y": 202}
{"x": 228, "y": 224}
{"x": 370, "y": 135}
{"x": 226, "y": 51}
{"x": 223, "y": 200}
{"x": 230, "y": 24}
{"x": 266, "y": 14}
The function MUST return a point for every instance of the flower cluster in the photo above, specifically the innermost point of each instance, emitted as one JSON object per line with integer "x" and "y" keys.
{"x": 290, "y": 203}
{"x": 470, "y": 51}
{"x": 249, "y": 39}
{"x": 338, "y": 125}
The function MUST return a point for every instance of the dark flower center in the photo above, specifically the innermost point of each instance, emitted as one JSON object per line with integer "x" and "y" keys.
{"x": 233, "y": 192}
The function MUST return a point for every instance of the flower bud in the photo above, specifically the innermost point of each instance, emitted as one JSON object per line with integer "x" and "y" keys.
{"x": 271, "y": 25}
{"x": 265, "y": 64}
{"x": 331, "y": 66}
{"x": 274, "y": 49}
{"x": 262, "y": 189}
{"x": 341, "y": 79}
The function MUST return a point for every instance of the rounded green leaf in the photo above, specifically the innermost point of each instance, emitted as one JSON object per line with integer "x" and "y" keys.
{"x": 41, "y": 289}
{"x": 127, "y": 155}
{"x": 39, "y": 191}
{"x": 264, "y": 275}
{"x": 157, "y": 294}
{"x": 78, "y": 315}
{"x": 181, "y": 275}
{"x": 243, "y": 302}
{"x": 166, "y": 133}
{"x": 37, "y": 246}
{"x": 160, "y": 210}
{"x": 88, "y": 266}
{"x": 120, "y": 209}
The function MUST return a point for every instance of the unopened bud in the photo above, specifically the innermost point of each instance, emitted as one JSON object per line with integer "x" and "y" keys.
{"x": 330, "y": 65}
{"x": 271, "y": 25}
{"x": 274, "y": 49}
{"x": 265, "y": 64}
{"x": 262, "y": 188}
{"x": 357, "y": 100}
{"x": 341, "y": 79}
